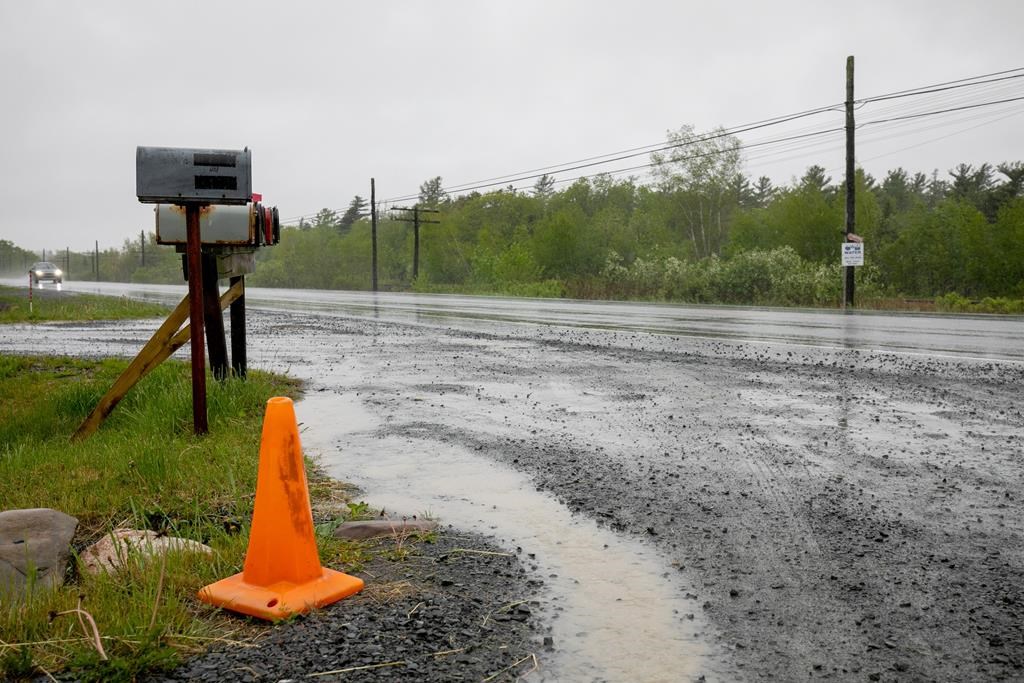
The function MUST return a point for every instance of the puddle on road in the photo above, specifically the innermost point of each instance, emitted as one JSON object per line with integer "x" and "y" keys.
{"x": 616, "y": 616}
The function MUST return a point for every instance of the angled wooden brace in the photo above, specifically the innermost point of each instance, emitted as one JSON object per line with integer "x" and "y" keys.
{"x": 165, "y": 341}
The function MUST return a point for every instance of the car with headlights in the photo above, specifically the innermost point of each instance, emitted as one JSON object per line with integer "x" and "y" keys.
{"x": 44, "y": 270}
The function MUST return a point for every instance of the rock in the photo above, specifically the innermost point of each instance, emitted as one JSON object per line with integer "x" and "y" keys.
{"x": 376, "y": 528}
{"x": 37, "y": 538}
{"x": 111, "y": 550}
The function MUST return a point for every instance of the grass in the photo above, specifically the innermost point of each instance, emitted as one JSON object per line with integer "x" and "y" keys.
{"x": 52, "y": 305}
{"x": 143, "y": 469}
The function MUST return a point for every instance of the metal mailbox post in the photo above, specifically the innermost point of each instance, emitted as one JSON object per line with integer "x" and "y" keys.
{"x": 206, "y": 209}
{"x": 198, "y": 181}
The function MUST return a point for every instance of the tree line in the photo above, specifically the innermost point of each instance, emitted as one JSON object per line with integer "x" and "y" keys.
{"x": 700, "y": 230}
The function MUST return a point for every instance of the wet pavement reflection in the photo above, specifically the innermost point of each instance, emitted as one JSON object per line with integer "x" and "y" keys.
{"x": 978, "y": 336}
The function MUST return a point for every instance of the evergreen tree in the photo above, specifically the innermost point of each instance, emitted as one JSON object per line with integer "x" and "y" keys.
{"x": 432, "y": 193}
{"x": 815, "y": 179}
{"x": 763, "y": 192}
{"x": 971, "y": 185}
{"x": 543, "y": 188}
{"x": 325, "y": 218}
{"x": 356, "y": 210}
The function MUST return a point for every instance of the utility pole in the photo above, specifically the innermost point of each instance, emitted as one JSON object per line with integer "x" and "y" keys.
{"x": 142, "y": 246}
{"x": 96, "y": 261}
{"x": 67, "y": 262}
{"x": 416, "y": 221}
{"x": 373, "y": 232}
{"x": 850, "y": 180}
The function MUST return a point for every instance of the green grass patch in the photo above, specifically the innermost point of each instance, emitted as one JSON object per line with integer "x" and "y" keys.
{"x": 53, "y": 305}
{"x": 143, "y": 469}
{"x": 955, "y": 303}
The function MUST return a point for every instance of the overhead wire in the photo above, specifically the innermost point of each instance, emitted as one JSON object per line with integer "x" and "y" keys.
{"x": 946, "y": 93}
{"x": 948, "y": 135}
{"x": 636, "y": 151}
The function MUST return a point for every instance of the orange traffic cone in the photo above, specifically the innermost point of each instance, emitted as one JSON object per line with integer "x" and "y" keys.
{"x": 282, "y": 573}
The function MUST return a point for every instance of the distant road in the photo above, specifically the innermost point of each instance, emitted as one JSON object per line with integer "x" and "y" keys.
{"x": 960, "y": 336}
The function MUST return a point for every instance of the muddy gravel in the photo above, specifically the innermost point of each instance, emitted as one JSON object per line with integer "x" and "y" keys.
{"x": 841, "y": 513}
{"x": 820, "y": 512}
{"x": 444, "y": 610}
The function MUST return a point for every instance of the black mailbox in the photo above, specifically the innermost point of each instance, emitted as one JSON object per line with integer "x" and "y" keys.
{"x": 173, "y": 175}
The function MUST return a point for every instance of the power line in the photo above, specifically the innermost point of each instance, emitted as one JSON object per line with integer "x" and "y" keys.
{"x": 943, "y": 137}
{"x": 941, "y": 111}
{"x": 576, "y": 165}
{"x": 513, "y": 180}
{"x": 599, "y": 160}
{"x": 938, "y": 87}
{"x": 948, "y": 85}
{"x": 647, "y": 149}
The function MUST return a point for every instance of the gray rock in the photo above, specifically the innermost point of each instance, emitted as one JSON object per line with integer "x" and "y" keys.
{"x": 377, "y": 528}
{"x": 111, "y": 551}
{"x": 37, "y": 539}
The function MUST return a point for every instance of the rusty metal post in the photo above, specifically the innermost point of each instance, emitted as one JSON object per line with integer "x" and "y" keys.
{"x": 238, "y": 360}
{"x": 195, "y": 310}
{"x": 213, "y": 317}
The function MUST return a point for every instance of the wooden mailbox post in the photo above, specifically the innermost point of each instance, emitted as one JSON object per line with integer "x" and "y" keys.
{"x": 206, "y": 209}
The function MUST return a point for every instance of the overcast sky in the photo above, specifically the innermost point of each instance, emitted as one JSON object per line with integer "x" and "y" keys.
{"x": 328, "y": 94}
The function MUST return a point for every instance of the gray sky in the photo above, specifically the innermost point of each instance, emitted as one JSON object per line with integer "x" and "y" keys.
{"x": 328, "y": 94}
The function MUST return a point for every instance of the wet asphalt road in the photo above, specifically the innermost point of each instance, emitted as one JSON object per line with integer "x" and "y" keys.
{"x": 981, "y": 336}
{"x": 835, "y": 503}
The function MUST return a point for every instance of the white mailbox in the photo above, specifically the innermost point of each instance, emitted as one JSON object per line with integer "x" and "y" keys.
{"x": 252, "y": 225}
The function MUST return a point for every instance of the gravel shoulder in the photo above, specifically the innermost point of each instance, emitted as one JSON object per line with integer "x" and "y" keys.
{"x": 843, "y": 514}
{"x": 446, "y": 610}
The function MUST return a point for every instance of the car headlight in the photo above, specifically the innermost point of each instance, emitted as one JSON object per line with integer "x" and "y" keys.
{"x": 39, "y": 272}
{"x": 58, "y": 272}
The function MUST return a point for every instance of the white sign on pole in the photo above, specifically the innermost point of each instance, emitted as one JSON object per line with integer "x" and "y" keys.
{"x": 853, "y": 254}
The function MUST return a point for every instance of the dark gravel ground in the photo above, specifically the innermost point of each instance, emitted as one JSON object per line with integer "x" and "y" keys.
{"x": 844, "y": 514}
{"x": 448, "y": 610}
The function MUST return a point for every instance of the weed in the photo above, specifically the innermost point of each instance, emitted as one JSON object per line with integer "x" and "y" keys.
{"x": 358, "y": 511}
{"x": 16, "y": 665}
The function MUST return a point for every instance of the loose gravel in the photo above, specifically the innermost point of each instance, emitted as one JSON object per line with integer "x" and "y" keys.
{"x": 447, "y": 610}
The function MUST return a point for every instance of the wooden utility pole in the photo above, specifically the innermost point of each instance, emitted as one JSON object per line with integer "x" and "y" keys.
{"x": 67, "y": 261}
{"x": 96, "y": 260}
{"x": 373, "y": 232}
{"x": 416, "y": 221}
{"x": 850, "y": 180}
{"x": 142, "y": 246}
